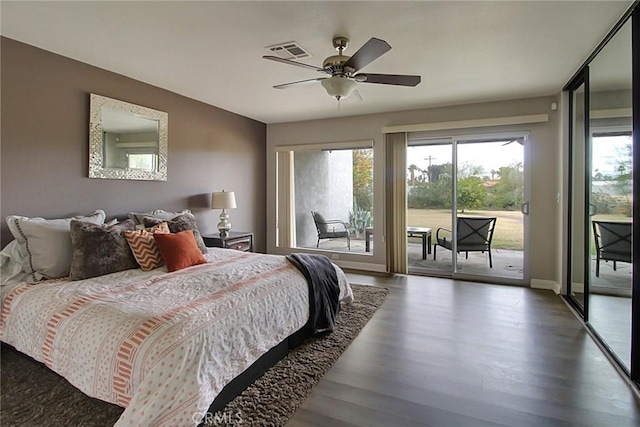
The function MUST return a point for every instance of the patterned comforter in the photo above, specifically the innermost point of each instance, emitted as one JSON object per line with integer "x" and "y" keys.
{"x": 162, "y": 345}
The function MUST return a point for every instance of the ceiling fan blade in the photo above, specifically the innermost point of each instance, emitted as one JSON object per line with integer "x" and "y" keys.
{"x": 370, "y": 51}
{"x": 518, "y": 140}
{"x": 297, "y": 64}
{"x": 388, "y": 79}
{"x": 287, "y": 85}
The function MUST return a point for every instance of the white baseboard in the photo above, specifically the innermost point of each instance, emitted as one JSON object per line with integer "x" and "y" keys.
{"x": 362, "y": 266}
{"x": 577, "y": 288}
{"x": 549, "y": 285}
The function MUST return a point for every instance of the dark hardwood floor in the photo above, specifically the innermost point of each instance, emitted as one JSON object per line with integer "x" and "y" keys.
{"x": 441, "y": 352}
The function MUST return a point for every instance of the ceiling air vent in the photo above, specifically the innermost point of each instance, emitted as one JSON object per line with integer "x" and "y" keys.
{"x": 288, "y": 50}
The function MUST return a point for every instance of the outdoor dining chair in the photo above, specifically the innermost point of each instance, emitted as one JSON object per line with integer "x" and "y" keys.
{"x": 330, "y": 228}
{"x": 613, "y": 242}
{"x": 474, "y": 235}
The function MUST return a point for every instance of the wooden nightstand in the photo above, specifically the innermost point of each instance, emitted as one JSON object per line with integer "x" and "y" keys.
{"x": 238, "y": 240}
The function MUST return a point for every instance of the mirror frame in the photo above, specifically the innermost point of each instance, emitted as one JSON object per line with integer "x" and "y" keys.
{"x": 96, "y": 145}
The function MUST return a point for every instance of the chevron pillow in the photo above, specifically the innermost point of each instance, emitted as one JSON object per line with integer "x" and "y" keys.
{"x": 144, "y": 247}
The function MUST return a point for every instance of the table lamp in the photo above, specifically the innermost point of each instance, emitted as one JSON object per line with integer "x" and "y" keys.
{"x": 223, "y": 200}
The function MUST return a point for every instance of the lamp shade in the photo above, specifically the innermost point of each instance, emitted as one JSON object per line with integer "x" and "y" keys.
{"x": 223, "y": 200}
{"x": 338, "y": 87}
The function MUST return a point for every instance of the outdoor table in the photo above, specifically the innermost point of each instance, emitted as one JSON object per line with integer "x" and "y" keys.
{"x": 422, "y": 232}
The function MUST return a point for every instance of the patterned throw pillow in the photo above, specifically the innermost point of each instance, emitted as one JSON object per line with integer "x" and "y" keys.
{"x": 100, "y": 249}
{"x": 180, "y": 223}
{"x": 144, "y": 246}
{"x": 179, "y": 250}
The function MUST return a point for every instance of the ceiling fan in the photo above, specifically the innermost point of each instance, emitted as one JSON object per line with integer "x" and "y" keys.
{"x": 343, "y": 70}
{"x": 518, "y": 140}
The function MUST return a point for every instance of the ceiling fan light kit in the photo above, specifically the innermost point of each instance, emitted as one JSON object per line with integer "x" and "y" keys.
{"x": 338, "y": 86}
{"x": 343, "y": 69}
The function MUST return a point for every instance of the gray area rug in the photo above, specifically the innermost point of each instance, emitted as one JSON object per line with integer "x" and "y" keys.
{"x": 33, "y": 395}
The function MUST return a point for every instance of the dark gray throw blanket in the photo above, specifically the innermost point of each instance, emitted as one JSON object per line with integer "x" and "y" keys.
{"x": 324, "y": 291}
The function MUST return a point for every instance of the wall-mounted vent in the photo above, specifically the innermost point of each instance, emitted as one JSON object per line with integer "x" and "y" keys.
{"x": 288, "y": 50}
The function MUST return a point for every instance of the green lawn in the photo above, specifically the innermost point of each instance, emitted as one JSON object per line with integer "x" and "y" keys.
{"x": 507, "y": 235}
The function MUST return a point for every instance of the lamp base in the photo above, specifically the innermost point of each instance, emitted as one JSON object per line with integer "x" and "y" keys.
{"x": 224, "y": 226}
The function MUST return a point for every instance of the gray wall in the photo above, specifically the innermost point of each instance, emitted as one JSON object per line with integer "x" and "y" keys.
{"x": 45, "y": 122}
{"x": 323, "y": 183}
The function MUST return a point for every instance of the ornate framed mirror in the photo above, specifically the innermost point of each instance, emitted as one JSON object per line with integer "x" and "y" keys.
{"x": 127, "y": 141}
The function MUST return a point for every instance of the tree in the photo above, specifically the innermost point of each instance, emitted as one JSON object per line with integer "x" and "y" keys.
{"x": 432, "y": 189}
{"x": 467, "y": 169}
{"x": 471, "y": 193}
{"x": 508, "y": 192}
{"x": 622, "y": 181}
{"x": 363, "y": 178}
{"x": 412, "y": 174}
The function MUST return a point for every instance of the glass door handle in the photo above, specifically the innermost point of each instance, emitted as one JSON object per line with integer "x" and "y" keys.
{"x": 524, "y": 208}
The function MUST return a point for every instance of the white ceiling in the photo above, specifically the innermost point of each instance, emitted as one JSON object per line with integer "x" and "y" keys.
{"x": 212, "y": 51}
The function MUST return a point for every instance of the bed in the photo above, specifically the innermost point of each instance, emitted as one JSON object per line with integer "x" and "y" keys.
{"x": 162, "y": 345}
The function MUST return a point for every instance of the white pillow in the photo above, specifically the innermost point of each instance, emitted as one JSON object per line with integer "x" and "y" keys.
{"x": 46, "y": 243}
{"x": 158, "y": 213}
{"x": 12, "y": 264}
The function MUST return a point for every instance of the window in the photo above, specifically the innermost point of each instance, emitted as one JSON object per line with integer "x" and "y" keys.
{"x": 334, "y": 180}
{"x": 142, "y": 161}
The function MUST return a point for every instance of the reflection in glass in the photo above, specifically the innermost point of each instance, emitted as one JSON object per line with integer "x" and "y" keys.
{"x": 130, "y": 141}
{"x": 610, "y": 192}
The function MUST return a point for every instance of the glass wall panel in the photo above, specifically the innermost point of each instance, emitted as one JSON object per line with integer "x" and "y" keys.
{"x": 429, "y": 204}
{"x": 490, "y": 195}
{"x": 326, "y": 199}
{"x": 610, "y": 192}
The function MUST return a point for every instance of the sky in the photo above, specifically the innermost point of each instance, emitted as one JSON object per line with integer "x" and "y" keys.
{"x": 489, "y": 155}
{"x": 606, "y": 151}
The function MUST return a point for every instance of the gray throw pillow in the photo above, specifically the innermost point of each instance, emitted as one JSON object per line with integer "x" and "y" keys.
{"x": 158, "y": 213}
{"x": 180, "y": 223}
{"x": 100, "y": 249}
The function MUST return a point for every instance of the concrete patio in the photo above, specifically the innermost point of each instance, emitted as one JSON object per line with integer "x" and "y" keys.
{"x": 506, "y": 264}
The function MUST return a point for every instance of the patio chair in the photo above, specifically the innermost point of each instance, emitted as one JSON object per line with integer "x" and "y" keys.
{"x": 474, "y": 235}
{"x": 613, "y": 242}
{"x": 330, "y": 228}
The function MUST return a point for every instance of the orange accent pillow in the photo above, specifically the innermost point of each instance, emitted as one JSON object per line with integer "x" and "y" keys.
{"x": 179, "y": 250}
{"x": 144, "y": 246}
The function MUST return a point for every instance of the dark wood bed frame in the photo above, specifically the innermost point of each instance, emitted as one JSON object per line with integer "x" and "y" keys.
{"x": 257, "y": 369}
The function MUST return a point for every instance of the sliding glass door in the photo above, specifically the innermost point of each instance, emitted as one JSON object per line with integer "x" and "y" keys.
{"x": 577, "y": 289}
{"x": 610, "y": 190}
{"x": 429, "y": 204}
{"x": 477, "y": 183}
{"x": 601, "y": 201}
